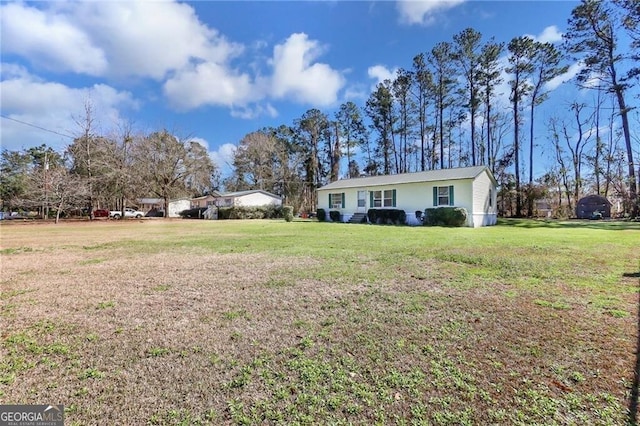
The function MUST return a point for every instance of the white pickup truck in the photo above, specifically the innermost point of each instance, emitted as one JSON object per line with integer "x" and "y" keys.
{"x": 128, "y": 212}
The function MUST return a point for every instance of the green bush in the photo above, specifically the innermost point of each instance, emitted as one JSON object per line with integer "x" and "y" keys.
{"x": 322, "y": 215}
{"x": 287, "y": 213}
{"x": 445, "y": 216}
{"x": 334, "y": 215}
{"x": 260, "y": 212}
{"x": 387, "y": 216}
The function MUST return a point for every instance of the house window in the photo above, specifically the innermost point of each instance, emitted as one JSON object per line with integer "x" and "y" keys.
{"x": 336, "y": 200}
{"x": 386, "y": 198}
{"x": 443, "y": 195}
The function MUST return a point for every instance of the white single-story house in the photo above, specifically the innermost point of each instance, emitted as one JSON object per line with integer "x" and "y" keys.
{"x": 250, "y": 198}
{"x": 152, "y": 205}
{"x": 473, "y": 188}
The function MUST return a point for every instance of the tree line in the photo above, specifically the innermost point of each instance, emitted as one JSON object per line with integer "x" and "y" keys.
{"x": 97, "y": 171}
{"x": 445, "y": 111}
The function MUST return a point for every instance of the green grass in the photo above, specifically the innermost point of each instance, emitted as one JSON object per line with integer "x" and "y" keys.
{"x": 267, "y": 322}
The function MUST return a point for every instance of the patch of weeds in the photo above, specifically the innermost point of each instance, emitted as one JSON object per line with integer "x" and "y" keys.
{"x": 215, "y": 359}
{"x": 617, "y": 313}
{"x": 301, "y": 324}
{"x": 577, "y": 377}
{"x": 510, "y": 293}
{"x": 157, "y": 352}
{"x": 5, "y": 295}
{"x": 91, "y": 373}
{"x": 554, "y": 305}
{"x": 98, "y": 246}
{"x": 162, "y": 287}
{"x": 232, "y": 315}
{"x": 92, "y": 337}
{"x": 16, "y": 250}
{"x": 93, "y": 261}
{"x": 278, "y": 283}
{"x": 235, "y": 336}
{"x": 24, "y": 342}
{"x": 6, "y": 378}
{"x": 107, "y": 304}
{"x": 81, "y": 392}
{"x": 236, "y": 411}
{"x": 306, "y": 342}
{"x": 453, "y": 417}
{"x": 242, "y": 378}
{"x": 7, "y": 309}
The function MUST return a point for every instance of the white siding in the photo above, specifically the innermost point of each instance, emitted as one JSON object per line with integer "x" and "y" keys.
{"x": 176, "y": 206}
{"x": 410, "y": 197}
{"x": 256, "y": 199}
{"x": 484, "y": 212}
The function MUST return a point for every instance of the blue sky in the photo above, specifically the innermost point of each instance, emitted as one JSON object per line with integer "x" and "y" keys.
{"x": 216, "y": 70}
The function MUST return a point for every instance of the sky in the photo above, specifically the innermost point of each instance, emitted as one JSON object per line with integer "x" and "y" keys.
{"x": 215, "y": 71}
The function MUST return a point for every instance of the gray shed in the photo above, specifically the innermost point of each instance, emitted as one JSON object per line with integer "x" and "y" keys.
{"x": 589, "y": 205}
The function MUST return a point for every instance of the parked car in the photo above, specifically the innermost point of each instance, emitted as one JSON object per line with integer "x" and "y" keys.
{"x": 101, "y": 213}
{"x": 128, "y": 213}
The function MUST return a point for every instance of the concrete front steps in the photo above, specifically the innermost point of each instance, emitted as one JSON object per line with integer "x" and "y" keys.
{"x": 358, "y": 218}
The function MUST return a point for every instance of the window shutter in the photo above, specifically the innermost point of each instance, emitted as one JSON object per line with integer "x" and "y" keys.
{"x": 394, "y": 198}
{"x": 435, "y": 196}
{"x": 330, "y": 205}
{"x": 343, "y": 200}
{"x": 451, "y": 195}
{"x": 371, "y": 199}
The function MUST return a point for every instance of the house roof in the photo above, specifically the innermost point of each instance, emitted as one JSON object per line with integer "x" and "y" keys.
{"x": 150, "y": 200}
{"x": 214, "y": 194}
{"x": 594, "y": 200}
{"x": 249, "y": 192}
{"x": 428, "y": 176}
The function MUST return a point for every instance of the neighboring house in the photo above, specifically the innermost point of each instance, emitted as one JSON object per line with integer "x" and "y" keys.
{"x": 251, "y": 198}
{"x": 473, "y": 188}
{"x": 148, "y": 204}
{"x": 205, "y": 200}
{"x": 592, "y": 204}
{"x": 154, "y": 205}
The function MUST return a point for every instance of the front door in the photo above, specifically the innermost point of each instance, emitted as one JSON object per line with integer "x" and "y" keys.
{"x": 362, "y": 202}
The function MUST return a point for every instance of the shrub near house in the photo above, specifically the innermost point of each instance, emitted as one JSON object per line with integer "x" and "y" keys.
{"x": 445, "y": 216}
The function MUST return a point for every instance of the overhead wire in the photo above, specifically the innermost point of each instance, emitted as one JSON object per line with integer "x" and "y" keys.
{"x": 37, "y": 127}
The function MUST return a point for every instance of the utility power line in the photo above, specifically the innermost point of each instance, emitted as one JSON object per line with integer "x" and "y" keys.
{"x": 37, "y": 127}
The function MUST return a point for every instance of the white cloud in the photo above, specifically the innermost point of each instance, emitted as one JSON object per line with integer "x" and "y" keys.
{"x": 423, "y": 12}
{"x": 570, "y": 74}
{"x": 113, "y": 39}
{"x": 550, "y": 34}
{"x": 251, "y": 112}
{"x": 50, "y": 40}
{"x": 152, "y": 38}
{"x": 296, "y": 75}
{"x": 381, "y": 73}
{"x": 223, "y": 157}
{"x": 53, "y": 106}
{"x": 165, "y": 41}
{"x": 208, "y": 84}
